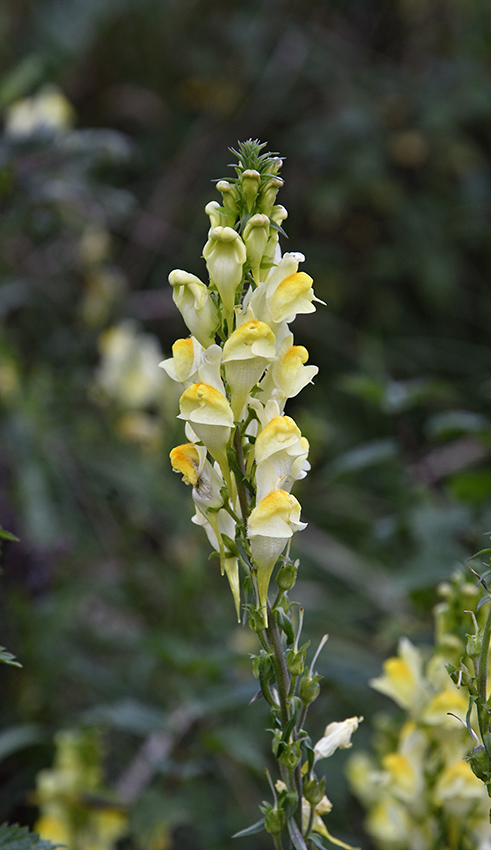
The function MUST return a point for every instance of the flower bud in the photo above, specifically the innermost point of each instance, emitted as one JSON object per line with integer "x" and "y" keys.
{"x": 295, "y": 661}
{"x": 274, "y": 820}
{"x": 225, "y": 255}
{"x": 216, "y": 214}
{"x": 268, "y": 194}
{"x": 229, "y": 196}
{"x": 309, "y": 689}
{"x": 287, "y": 576}
{"x": 250, "y": 180}
{"x": 290, "y": 755}
{"x": 255, "y": 236}
{"x": 314, "y": 790}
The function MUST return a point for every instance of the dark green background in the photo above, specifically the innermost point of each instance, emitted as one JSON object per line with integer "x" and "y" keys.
{"x": 383, "y": 113}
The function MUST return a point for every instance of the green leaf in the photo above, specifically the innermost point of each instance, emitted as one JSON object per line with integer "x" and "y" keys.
{"x": 251, "y": 830}
{"x": 6, "y": 535}
{"x": 15, "y": 837}
{"x": 8, "y": 658}
{"x": 295, "y": 835}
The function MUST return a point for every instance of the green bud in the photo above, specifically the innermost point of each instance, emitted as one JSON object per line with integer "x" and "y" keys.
{"x": 290, "y": 755}
{"x": 274, "y": 821}
{"x": 262, "y": 664}
{"x": 250, "y": 180}
{"x": 314, "y": 790}
{"x": 479, "y": 763}
{"x": 229, "y": 195}
{"x": 295, "y": 661}
{"x": 309, "y": 689}
{"x": 268, "y": 194}
{"x": 287, "y": 576}
{"x": 474, "y": 645}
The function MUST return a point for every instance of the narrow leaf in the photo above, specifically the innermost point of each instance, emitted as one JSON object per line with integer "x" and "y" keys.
{"x": 295, "y": 835}
{"x": 8, "y": 658}
{"x": 251, "y": 830}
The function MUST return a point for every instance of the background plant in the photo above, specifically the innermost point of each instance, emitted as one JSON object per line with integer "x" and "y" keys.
{"x": 383, "y": 114}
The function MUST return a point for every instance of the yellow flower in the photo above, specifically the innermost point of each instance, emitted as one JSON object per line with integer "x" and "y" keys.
{"x": 54, "y": 828}
{"x": 211, "y": 418}
{"x": 457, "y": 783}
{"x": 196, "y": 305}
{"x": 449, "y": 700}
{"x": 246, "y": 354}
{"x": 225, "y": 255}
{"x": 272, "y": 522}
{"x": 281, "y": 455}
{"x": 186, "y": 460}
{"x": 288, "y": 374}
{"x": 402, "y": 679}
{"x": 183, "y": 365}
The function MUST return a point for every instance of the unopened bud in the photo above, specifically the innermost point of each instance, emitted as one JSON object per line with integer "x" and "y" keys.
{"x": 314, "y": 790}
{"x": 309, "y": 689}
{"x": 295, "y": 661}
{"x": 290, "y": 755}
{"x": 274, "y": 821}
{"x": 250, "y": 180}
{"x": 268, "y": 194}
{"x": 287, "y": 576}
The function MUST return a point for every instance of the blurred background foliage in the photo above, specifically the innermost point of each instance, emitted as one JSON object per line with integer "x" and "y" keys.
{"x": 383, "y": 112}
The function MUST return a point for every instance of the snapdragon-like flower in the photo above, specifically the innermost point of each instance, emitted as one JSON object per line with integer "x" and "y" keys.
{"x": 271, "y": 524}
{"x": 196, "y": 305}
{"x": 182, "y": 367}
{"x": 225, "y": 255}
{"x": 288, "y": 374}
{"x": 211, "y": 418}
{"x": 281, "y": 455}
{"x": 337, "y": 735}
{"x": 246, "y": 354}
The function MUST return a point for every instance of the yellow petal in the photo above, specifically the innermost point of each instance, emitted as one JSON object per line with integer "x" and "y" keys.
{"x": 186, "y": 460}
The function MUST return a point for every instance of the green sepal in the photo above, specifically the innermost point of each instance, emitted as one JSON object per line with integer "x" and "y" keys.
{"x": 285, "y": 624}
{"x": 7, "y": 535}
{"x": 250, "y": 830}
{"x": 15, "y": 837}
{"x": 8, "y": 658}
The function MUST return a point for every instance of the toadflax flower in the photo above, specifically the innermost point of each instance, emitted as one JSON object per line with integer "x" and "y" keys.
{"x": 336, "y": 736}
{"x": 196, "y": 305}
{"x": 271, "y": 524}
{"x": 281, "y": 455}
{"x": 246, "y": 354}
{"x": 225, "y": 255}
{"x": 211, "y": 418}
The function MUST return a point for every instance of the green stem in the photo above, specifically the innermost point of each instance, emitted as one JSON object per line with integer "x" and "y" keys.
{"x": 482, "y": 677}
{"x": 279, "y": 661}
{"x": 241, "y": 490}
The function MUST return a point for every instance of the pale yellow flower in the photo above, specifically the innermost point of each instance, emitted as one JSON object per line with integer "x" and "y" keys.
{"x": 225, "y": 255}
{"x": 288, "y": 374}
{"x": 403, "y": 679}
{"x": 196, "y": 305}
{"x": 281, "y": 456}
{"x": 337, "y": 735}
{"x": 246, "y": 354}
{"x": 182, "y": 367}
{"x": 271, "y": 524}
{"x": 255, "y": 236}
{"x": 211, "y": 418}
{"x": 48, "y": 110}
